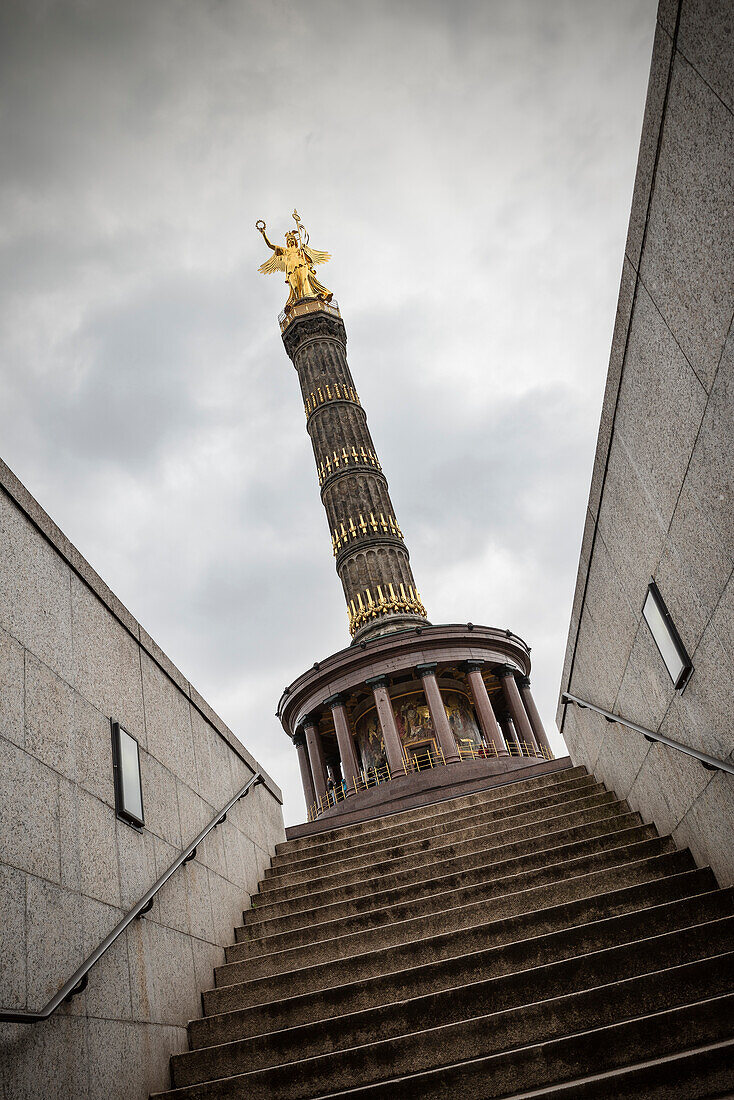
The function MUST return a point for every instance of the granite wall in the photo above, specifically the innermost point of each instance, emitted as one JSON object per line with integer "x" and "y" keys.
{"x": 660, "y": 503}
{"x": 71, "y": 658}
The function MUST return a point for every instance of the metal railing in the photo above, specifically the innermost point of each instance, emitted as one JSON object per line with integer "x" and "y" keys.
{"x": 307, "y": 305}
{"x": 712, "y": 763}
{"x": 77, "y": 983}
{"x": 416, "y": 762}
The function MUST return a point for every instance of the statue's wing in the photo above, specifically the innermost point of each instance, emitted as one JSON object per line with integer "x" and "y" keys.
{"x": 317, "y": 257}
{"x": 275, "y": 263}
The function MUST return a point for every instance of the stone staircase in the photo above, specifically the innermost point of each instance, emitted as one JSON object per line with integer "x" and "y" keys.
{"x": 531, "y": 940}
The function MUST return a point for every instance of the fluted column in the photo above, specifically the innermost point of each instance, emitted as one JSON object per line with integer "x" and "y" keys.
{"x": 306, "y": 778}
{"x": 516, "y": 707}
{"x": 372, "y": 559}
{"x": 441, "y": 724}
{"x": 315, "y": 755}
{"x": 532, "y": 712}
{"x": 350, "y": 767}
{"x": 483, "y": 707}
{"x": 388, "y": 725}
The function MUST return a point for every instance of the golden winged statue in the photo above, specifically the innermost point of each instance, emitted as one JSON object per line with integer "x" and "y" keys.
{"x": 297, "y": 259}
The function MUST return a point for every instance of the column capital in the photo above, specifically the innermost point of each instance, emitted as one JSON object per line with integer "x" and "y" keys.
{"x": 474, "y": 666}
{"x": 503, "y": 670}
{"x": 377, "y": 681}
{"x": 524, "y": 681}
{"x": 334, "y": 700}
{"x": 310, "y": 720}
{"x": 426, "y": 669}
{"x": 299, "y": 738}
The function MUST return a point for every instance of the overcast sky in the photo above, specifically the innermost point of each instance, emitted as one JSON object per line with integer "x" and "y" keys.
{"x": 469, "y": 165}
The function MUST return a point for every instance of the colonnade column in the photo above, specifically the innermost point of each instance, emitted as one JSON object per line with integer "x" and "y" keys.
{"x": 508, "y": 732}
{"x": 532, "y": 712}
{"x": 515, "y": 706}
{"x": 350, "y": 767}
{"x": 441, "y": 724}
{"x": 315, "y": 755}
{"x": 483, "y": 707}
{"x": 306, "y": 778}
{"x": 388, "y": 725}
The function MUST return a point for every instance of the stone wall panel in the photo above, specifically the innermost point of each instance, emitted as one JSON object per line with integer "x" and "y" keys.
{"x": 72, "y": 658}
{"x": 661, "y": 499}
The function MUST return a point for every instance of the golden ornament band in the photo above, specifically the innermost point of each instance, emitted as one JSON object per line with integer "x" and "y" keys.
{"x": 342, "y": 534}
{"x": 323, "y": 396}
{"x": 382, "y": 603}
{"x": 353, "y": 457}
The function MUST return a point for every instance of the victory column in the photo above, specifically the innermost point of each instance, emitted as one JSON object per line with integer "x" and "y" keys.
{"x": 408, "y": 707}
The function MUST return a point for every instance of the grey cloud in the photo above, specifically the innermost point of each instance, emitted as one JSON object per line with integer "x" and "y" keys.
{"x": 468, "y": 165}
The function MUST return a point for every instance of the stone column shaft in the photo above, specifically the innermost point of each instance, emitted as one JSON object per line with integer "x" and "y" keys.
{"x": 306, "y": 778}
{"x": 441, "y": 724}
{"x": 487, "y": 721}
{"x": 516, "y": 708}
{"x": 532, "y": 712}
{"x": 372, "y": 559}
{"x": 350, "y": 767}
{"x": 509, "y": 733}
{"x": 388, "y": 725}
{"x": 316, "y": 757}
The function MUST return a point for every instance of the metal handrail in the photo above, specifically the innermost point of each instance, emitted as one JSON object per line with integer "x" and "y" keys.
{"x": 77, "y": 983}
{"x": 712, "y": 763}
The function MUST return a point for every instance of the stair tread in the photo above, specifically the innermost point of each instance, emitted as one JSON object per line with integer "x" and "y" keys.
{"x": 535, "y": 939}
{"x": 271, "y": 1077}
{"x": 391, "y": 902}
{"x": 441, "y": 857}
{"x": 470, "y": 913}
{"x": 568, "y": 1090}
{"x": 325, "y": 843}
{"x": 340, "y": 1036}
{"x": 606, "y": 925}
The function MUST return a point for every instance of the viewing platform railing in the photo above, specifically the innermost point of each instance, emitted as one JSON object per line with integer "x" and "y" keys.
{"x": 416, "y": 762}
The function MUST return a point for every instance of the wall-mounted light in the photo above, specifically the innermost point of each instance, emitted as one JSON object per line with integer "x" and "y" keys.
{"x": 128, "y": 782}
{"x": 666, "y": 637}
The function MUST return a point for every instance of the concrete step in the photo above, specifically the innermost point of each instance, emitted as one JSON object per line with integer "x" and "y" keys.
{"x": 441, "y": 863}
{"x": 455, "y": 888}
{"x": 666, "y": 961}
{"x": 704, "y": 1072}
{"x": 517, "y": 799}
{"x": 502, "y": 1036}
{"x": 552, "y": 937}
{"x": 532, "y": 940}
{"x": 426, "y": 788}
{"x": 406, "y": 819}
{"x": 542, "y": 1069}
{"x": 285, "y": 953}
{"x": 535, "y": 793}
{"x": 333, "y": 962}
{"x": 523, "y": 812}
{"x": 439, "y": 847}
{"x": 477, "y": 825}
